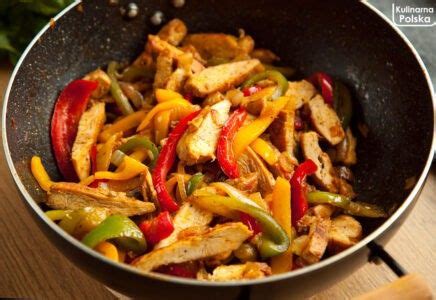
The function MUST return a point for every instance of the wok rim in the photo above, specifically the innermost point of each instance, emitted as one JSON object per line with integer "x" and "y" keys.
{"x": 412, "y": 197}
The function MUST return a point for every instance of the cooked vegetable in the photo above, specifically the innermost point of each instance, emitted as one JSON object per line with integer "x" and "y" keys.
{"x": 193, "y": 183}
{"x": 342, "y": 103}
{"x": 142, "y": 142}
{"x": 276, "y": 76}
{"x": 158, "y": 228}
{"x": 68, "y": 110}
{"x": 117, "y": 227}
{"x": 120, "y": 99}
{"x": 325, "y": 84}
{"x": 122, "y": 125}
{"x": 225, "y": 154}
{"x": 165, "y": 161}
{"x": 299, "y": 189}
{"x": 40, "y": 174}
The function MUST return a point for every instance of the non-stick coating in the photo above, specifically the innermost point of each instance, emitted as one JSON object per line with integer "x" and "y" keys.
{"x": 343, "y": 38}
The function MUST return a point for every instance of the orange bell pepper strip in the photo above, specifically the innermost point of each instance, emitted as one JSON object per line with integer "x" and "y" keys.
{"x": 163, "y": 95}
{"x": 108, "y": 249}
{"x": 129, "y": 168}
{"x": 40, "y": 174}
{"x": 265, "y": 151}
{"x": 122, "y": 125}
{"x": 161, "y": 107}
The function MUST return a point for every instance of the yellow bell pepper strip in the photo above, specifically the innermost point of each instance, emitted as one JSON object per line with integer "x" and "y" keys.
{"x": 122, "y": 125}
{"x": 140, "y": 142}
{"x": 163, "y": 95}
{"x": 88, "y": 180}
{"x": 179, "y": 112}
{"x": 265, "y": 151}
{"x": 57, "y": 214}
{"x": 104, "y": 154}
{"x": 129, "y": 168}
{"x": 140, "y": 154}
{"x": 109, "y": 250}
{"x": 40, "y": 174}
{"x": 161, "y": 107}
{"x": 274, "y": 239}
{"x": 116, "y": 92}
{"x": 79, "y": 222}
{"x": 117, "y": 227}
{"x": 161, "y": 125}
{"x": 247, "y": 134}
{"x": 360, "y": 209}
{"x": 282, "y": 82}
{"x": 281, "y": 210}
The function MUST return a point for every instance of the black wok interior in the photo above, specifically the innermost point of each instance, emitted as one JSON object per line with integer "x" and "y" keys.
{"x": 338, "y": 37}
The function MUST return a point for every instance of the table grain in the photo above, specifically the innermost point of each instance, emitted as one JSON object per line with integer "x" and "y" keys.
{"x": 31, "y": 267}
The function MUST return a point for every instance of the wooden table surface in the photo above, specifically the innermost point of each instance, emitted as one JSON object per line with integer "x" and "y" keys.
{"x": 31, "y": 267}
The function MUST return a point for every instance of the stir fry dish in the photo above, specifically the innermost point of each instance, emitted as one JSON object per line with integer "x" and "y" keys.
{"x": 202, "y": 159}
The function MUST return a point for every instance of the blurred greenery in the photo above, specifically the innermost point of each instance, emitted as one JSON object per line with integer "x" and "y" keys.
{"x": 20, "y": 21}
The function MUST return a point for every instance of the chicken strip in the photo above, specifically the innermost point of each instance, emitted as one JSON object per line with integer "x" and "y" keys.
{"x": 250, "y": 162}
{"x": 325, "y": 120}
{"x": 344, "y": 232}
{"x": 104, "y": 83}
{"x": 221, "y": 238}
{"x": 198, "y": 143}
{"x": 189, "y": 215}
{"x": 325, "y": 173}
{"x": 282, "y": 129}
{"x": 221, "y": 78}
{"x": 68, "y": 195}
{"x": 173, "y": 32}
{"x": 249, "y": 270}
{"x": 90, "y": 125}
{"x": 317, "y": 240}
{"x": 302, "y": 90}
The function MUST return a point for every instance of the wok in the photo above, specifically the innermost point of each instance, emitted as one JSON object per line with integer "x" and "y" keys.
{"x": 348, "y": 39}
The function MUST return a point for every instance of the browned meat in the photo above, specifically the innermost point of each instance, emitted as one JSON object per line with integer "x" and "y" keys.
{"x": 325, "y": 174}
{"x": 302, "y": 90}
{"x": 247, "y": 183}
{"x": 219, "y": 47}
{"x": 220, "y": 78}
{"x": 164, "y": 69}
{"x": 221, "y": 238}
{"x": 317, "y": 241}
{"x": 189, "y": 215}
{"x": 104, "y": 83}
{"x": 344, "y": 232}
{"x": 250, "y": 162}
{"x": 325, "y": 120}
{"x": 90, "y": 125}
{"x": 249, "y": 270}
{"x": 199, "y": 142}
{"x": 322, "y": 210}
{"x": 67, "y": 195}
{"x": 285, "y": 165}
{"x": 173, "y": 32}
{"x": 282, "y": 129}
{"x": 264, "y": 55}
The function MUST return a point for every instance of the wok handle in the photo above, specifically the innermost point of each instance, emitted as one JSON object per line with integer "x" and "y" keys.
{"x": 408, "y": 286}
{"x": 411, "y": 286}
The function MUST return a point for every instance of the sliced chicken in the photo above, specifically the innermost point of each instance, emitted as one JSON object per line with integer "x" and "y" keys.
{"x": 104, "y": 83}
{"x": 67, "y": 195}
{"x": 158, "y": 46}
{"x": 282, "y": 129}
{"x": 285, "y": 165}
{"x": 220, "y": 78}
{"x": 199, "y": 142}
{"x": 220, "y": 47}
{"x": 173, "y": 32}
{"x": 264, "y": 55}
{"x": 178, "y": 78}
{"x": 247, "y": 183}
{"x": 345, "y": 231}
{"x": 250, "y": 162}
{"x": 221, "y": 238}
{"x": 249, "y": 270}
{"x": 189, "y": 215}
{"x": 325, "y": 173}
{"x": 317, "y": 241}
{"x": 147, "y": 188}
{"x": 325, "y": 120}
{"x": 302, "y": 90}
{"x": 164, "y": 69}
{"x": 90, "y": 125}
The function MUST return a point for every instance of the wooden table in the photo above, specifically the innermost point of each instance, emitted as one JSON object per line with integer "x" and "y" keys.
{"x": 31, "y": 267}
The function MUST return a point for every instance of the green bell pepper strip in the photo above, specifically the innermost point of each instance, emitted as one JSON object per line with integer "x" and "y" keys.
{"x": 193, "y": 183}
{"x": 274, "y": 240}
{"x": 285, "y": 71}
{"x": 117, "y": 227}
{"x": 342, "y": 103}
{"x": 133, "y": 73}
{"x": 141, "y": 142}
{"x": 352, "y": 208}
{"x": 116, "y": 92}
{"x": 282, "y": 82}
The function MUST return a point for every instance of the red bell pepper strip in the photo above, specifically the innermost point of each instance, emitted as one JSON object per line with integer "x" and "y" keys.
{"x": 225, "y": 155}
{"x": 158, "y": 228}
{"x": 69, "y": 108}
{"x": 189, "y": 97}
{"x": 325, "y": 83}
{"x": 299, "y": 204}
{"x": 250, "y": 90}
{"x": 165, "y": 161}
{"x": 250, "y": 222}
